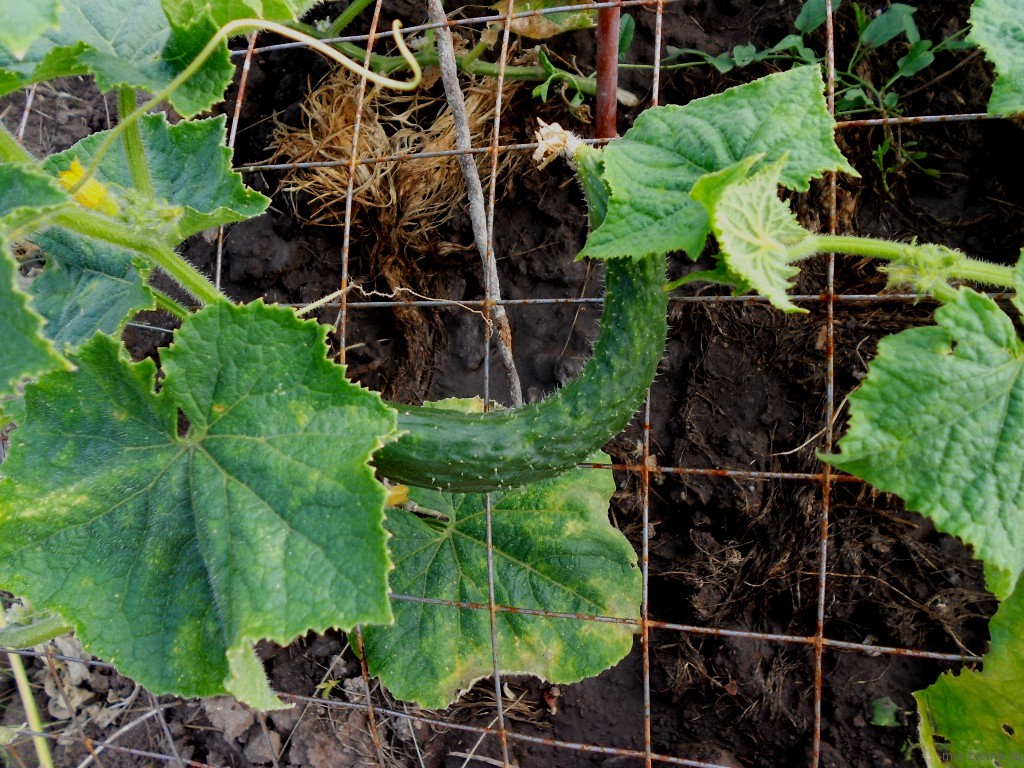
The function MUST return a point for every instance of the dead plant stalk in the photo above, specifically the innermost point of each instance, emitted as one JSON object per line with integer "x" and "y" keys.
{"x": 475, "y": 192}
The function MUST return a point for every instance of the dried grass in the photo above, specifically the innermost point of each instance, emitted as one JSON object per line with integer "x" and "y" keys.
{"x": 403, "y": 204}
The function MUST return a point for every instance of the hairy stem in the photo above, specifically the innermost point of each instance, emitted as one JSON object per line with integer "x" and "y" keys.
{"x": 29, "y": 635}
{"x": 137, "y": 164}
{"x": 102, "y": 228}
{"x": 169, "y": 305}
{"x": 963, "y": 268}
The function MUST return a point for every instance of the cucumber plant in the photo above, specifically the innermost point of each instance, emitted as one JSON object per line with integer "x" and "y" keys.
{"x": 174, "y": 526}
{"x": 110, "y": 506}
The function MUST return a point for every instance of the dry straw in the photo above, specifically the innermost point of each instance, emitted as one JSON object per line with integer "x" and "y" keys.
{"x": 403, "y": 205}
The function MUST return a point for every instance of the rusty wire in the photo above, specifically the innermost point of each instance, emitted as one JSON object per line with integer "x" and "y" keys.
{"x": 825, "y": 479}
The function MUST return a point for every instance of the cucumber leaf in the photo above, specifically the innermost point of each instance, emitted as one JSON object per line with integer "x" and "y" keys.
{"x": 124, "y": 42}
{"x": 26, "y": 194}
{"x": 24, "y": 23}
{"x": 939, "y": 420}
{"x": 979, "y": 712}
{"x": 759, "y": 237}
{"x": 87, "y": 286}
{"x": 174, "y": 529}
{"x": 25, "y": 351}
{"x": 554, "y": 550}
{"x": 998, "y": 27}
{"x": 194, "y": 187}
{"x": 652, "y": 169}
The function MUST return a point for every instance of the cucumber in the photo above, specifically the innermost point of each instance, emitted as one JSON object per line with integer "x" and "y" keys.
{"x": 468, "y": 453}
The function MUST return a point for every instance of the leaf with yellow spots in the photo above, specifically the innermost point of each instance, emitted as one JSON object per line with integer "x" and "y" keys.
{"x": 554, "y": 550}
{"x": 176, "y": 528}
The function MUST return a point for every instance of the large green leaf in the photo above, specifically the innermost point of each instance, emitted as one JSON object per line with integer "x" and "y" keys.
{"x": 25, "y": 22}
{"x": 998, "y": 27}
{"x": 87, "y": 286}
{"x": 652, "y": 169}
{"x": 554, "y": 550}
{"x": 980, "y": 714}
{"x": 124, "y": 42}
{"x": 194, "y": 187}
{"x": 759, "y": 237}
{"x": 171, "y": 548}
{"x": 24, "y": 351}
{"x": 939, "y": 420}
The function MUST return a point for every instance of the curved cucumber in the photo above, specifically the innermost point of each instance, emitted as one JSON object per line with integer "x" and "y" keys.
{"x": 486, "y": 451}
{"x": 468, "y": 452}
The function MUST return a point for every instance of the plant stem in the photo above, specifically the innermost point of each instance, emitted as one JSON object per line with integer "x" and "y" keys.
{"x": 102, "y": 228}
{"x": 346, "y": 17}
{"x": 965, "y": 268}
{"x": 133, "y": 143}
{"x": 29, "y": 635}
{"x": 169, "y": 305}
{"x": 470, "y": 64}
{"x": 28, "y": 701}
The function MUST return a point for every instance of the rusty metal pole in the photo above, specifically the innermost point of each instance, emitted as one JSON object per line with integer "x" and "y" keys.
{"x": 607, "y": 72}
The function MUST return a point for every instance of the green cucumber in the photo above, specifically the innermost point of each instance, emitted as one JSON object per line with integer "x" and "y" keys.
{"x": 466, "y": 452}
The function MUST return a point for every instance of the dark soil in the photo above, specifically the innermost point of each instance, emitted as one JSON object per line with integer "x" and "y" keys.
{"x": 741, "y": 387}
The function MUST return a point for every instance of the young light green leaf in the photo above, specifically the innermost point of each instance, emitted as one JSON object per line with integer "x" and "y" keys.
{"x": 939, "y": 420}
{"x": 979, "y": 712}
{"x": 24, "y": 23}
{"x": 759, "y": 237}
{"x": 124, "y": 42}
{"x": 652, "y": 169}
{"x": 554, "y": 550}
{"x": 998, "y": 27}
{"x": 24, "y": 351}
{"x": 172, "y": 549}
{"x": 193, "y": 185}
{"x": 87, "y": 286}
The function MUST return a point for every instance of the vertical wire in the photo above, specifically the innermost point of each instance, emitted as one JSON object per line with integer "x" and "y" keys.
{"x": 371, "y": 717}
{"x": 491, "y": 204}
{"x": 645, "y": 478}
{"x": 342, "y": 319}
{"x": 645, "y": 560}
{"x": 341, "y": 322}
{"x": 658, "y": 40}
{"x": 826, "y": 475}
{"x": 243, "y": 80}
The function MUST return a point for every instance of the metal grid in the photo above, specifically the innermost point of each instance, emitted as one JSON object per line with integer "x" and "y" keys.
{"x": 502, "y": 730}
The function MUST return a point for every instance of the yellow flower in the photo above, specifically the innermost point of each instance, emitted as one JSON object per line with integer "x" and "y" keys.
{"x": 397, "y": 495}
{"x": 92, "y": 194}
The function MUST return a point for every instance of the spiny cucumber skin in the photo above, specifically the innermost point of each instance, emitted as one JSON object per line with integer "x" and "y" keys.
{"x": 470, "y": 453}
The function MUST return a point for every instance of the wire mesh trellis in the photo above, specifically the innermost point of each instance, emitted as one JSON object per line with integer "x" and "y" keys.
{"x": 508, "y": 741}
